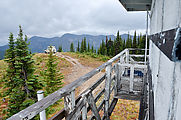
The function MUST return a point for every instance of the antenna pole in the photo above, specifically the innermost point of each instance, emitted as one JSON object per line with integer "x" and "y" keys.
{"x": 146, "y": 36}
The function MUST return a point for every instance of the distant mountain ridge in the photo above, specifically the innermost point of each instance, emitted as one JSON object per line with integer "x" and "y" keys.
{"x": 39, "y": 44}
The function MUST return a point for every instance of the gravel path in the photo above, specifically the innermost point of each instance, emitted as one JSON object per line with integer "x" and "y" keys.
{"x": 79, "y": 70}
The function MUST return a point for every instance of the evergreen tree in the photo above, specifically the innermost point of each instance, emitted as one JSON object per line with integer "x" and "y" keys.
{"x": 121, "y": 43}
{"x": 118, "y": 44}
{"x": 28, "y": 82}
{"x": 92, "y": 49}
{"x": 72, "y": 47}
{"x": 60, "y": 49}
{"x": 103, "y": 50}
{"x": 78, "y": 47}
{"x": 88, "y": 47}
{"x": 109, "y": 47}
{"x": 53, "y": 78}
{"x": 113, "y": 48}
{"x": 100, "y": 49}
{"x": 85, "y": 45}
{"x": 142, "y": 42}
{"x": 82, "y": 46}
{"x": 138, "y": 41}
{"x": 134, "y": 41}
{"x": 24, "y": 85}
{"x": 128, "y": 42}
{"x": 95, "y": 51}
{"x": 124, "y": 44}
{"x": 10, "y": 71}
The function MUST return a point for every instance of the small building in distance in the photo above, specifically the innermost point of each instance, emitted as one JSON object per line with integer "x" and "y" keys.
{"x": 49, "y": 48}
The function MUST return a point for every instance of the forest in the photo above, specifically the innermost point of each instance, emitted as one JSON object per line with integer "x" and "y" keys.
{"x": 110, "y": 47}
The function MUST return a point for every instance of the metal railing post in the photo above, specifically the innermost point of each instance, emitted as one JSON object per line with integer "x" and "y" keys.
{"x": 40, "y": 97}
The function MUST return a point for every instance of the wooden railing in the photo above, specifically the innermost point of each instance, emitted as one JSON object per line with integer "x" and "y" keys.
{"x": 75, "y": 108}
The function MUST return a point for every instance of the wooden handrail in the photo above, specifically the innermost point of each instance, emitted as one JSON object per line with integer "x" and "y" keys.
{"x": 39, "y": 106}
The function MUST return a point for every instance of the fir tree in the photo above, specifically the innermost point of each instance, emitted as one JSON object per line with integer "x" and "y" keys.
{"x": 113, "y": 48}
{"x": 72, "y": 47}
{"x": 100, "y": 49}
{"x": 118, "y": 44}
{"x": 128, "y": 42}
{"x": 10, "y": 71}
{"x": 109, "y": 47}
{"x": 82, "y": 46}
{"x": 24, "y": 85}
{"x": 92, "y": 49}
{"x": 53, "y": 79}
{"x": 60, "y": 49}
{"x": 85, "y": 45}
{"x": 88, "y": 48}
{"x": 78, "y": 47}
{"x": 124, "y": 44}
{"x": 134, "y": 41}
{"x": 142, "y": 42}
{"x": 103, "y": 48}
{"x": 138, "y": 41}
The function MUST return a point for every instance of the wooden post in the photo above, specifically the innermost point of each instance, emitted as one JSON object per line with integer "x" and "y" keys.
{"x": 93, "y": 107}
{"x": 69, "y": 102}
{"x": 121, "y": 60}
{"x": 127, "y": 61}
{"x": 118, "y": 79}
{"x": 131, "y": 78}
{"x": 84, "y": 110}
{"x": 127, "y": 56}
{"x": 107, "y": 91}
{"x": 40, "y": 97}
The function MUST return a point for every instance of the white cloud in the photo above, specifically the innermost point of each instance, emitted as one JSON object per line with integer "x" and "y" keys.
{"x": 56, "y": 17}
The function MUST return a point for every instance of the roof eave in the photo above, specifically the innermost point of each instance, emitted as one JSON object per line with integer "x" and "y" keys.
{"x": 136, "y": 5}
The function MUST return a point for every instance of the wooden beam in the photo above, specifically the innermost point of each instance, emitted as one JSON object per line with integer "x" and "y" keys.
{"x": 93, "y": 106}
{"x": 107, "y": 91}
{"x": 99, "y": 95}
{"x": 131, "y": 78}
{"x": 118, "y": 79}
{"x": 138, "y": 55}
{"x": 135, "y": 65}
{"x": 112, "y": 105}
{"x": 84, "y": 111}
{"x": 59, "y": 116}
{"x": 99, "y": 108}
{"x": 69, "y": 103}
{"x": 127, "y": 56}
{"x": 76, "y": 111}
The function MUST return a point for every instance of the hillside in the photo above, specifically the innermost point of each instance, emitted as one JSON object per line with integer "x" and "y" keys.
{"x": 39, "y": 44}
{"x": 74, "y": 65}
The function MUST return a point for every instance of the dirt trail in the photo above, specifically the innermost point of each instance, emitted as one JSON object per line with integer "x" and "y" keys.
{"x": 77, "y": 71}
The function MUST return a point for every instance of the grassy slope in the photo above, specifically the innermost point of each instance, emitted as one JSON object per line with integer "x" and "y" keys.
{"x": 40, "y": 64}
{"x": 124, "y": 109}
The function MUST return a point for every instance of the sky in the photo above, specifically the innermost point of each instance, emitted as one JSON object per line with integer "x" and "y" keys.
{"x": 50, "y": 18}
